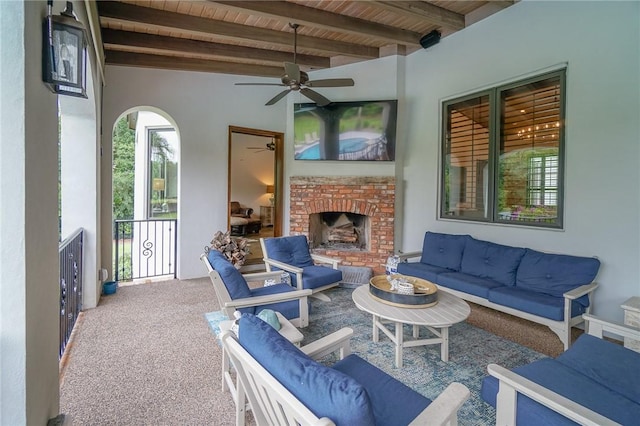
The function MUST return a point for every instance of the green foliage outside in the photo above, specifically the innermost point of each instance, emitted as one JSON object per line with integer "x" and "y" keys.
{"x": 513, "y": 185}
{"x": 123, "y": 170}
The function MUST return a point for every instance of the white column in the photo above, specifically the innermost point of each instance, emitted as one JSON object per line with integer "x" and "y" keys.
{"x": 29, "y": 291}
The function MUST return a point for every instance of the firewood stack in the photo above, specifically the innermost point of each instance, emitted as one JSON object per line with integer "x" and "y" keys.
{"x": 343, "y": 233}
{"x": 234, "y": 249}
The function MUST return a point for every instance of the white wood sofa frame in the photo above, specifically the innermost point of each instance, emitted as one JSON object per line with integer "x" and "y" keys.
{"x": 561, "y": 328}
{"x": 512, "y": 383}
{"x": 317, "y": 259}
{"x": 272, "y": 404}
{"x": 229, "y": 306}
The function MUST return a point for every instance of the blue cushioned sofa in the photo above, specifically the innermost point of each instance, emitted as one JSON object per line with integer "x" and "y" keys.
{"x": 594, "y": 382}
{"x": 550, "y": 289}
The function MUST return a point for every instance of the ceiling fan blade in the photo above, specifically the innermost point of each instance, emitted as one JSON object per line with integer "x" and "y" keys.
{"x": 331, "y": 82}
{"x": 259, "y": 84}
{"x": 277, "y": 97}
{"x": 292, "y": 71}
{"x": 315, "y": 96}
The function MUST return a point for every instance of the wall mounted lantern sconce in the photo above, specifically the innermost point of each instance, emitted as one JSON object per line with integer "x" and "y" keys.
{"x": 64, "y": 53}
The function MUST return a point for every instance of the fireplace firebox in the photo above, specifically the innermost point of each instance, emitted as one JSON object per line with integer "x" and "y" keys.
{"x": 339, "y": 231}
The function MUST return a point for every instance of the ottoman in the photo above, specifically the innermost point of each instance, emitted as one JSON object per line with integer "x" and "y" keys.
{"x": 238, "y": 226}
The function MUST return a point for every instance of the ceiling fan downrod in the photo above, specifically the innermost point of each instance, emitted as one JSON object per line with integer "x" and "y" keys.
{"x": 295, "y": 40}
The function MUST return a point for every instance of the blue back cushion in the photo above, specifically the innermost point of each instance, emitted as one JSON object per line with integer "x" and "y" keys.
{"x": 234, "y": 281}
{"x": 325, "y": 391}
{"x": 609, "y": 364}
{"x": 293, "y": 250}
{"x": 444, "y": 250}
{"x": 496, "y": 262}
{"x": 555, "y": 274}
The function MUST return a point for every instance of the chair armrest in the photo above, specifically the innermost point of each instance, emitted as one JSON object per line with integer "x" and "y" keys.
{"x": 580, "y": 291}
{"x": 258, "y": 276}
{"x": 408, "y": 255}
{"x": 326, "y": 259}
{"x": 267, "y": 299}
{"x": 511, "y": 384}
{"x": 282, "y": 265}
{"x": 444, "y": 409}
{"x": 596, "y": 326}
{"x": 336, "y": 341}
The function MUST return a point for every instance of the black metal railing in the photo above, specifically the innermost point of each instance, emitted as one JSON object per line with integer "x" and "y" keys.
{"x": 145, "y": 248}
{"x": 71, "y": 262}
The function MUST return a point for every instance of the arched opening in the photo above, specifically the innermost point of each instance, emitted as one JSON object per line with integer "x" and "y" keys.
{"x": 145, "y": 195}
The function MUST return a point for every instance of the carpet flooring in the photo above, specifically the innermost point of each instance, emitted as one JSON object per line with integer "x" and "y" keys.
{"x": 146, "y": 356}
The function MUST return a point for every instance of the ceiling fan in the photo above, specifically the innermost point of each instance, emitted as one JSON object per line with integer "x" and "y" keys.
{"x": 271, "y": 146}
{"x": 298, "y": 81}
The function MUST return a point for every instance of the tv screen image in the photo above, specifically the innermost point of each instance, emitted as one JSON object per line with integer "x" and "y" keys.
{"x": 350, "y": 131}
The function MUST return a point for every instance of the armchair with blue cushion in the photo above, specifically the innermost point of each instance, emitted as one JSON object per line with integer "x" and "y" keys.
{"x": 233, "y": 292}
{"x": 594, "y": 382}
{"x": 308, "y": 271}
{"x": 285, "y": 385}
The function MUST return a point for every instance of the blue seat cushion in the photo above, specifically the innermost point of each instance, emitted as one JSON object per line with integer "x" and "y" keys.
{"x": 293, "y": 250}
{"x": 393, "y": 402}
{"x": 540, "y": 304}
{"x": 233, "y": 280}
{"x": 317, "y": 276}
{"x": 444, "y": 250}
{"x": 609, "y": 364}
{"x": 555, "y": 274}
{"x": 323, "y": 390}
{"x": 467, "y": 283}
{"x": 570, "y": 384}
{"x": 421, "y": 270}
{"x": 496, "y": 262}
{"x": 290, "y": 308}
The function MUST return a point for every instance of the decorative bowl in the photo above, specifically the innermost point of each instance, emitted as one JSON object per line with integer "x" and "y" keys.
{"x": 425, "y": 292}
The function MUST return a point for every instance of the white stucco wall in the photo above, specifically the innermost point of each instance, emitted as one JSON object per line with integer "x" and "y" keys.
{"x": 29, "y": 292}
{"x": 252, "y": 171}
{"x": 203, "y": 107}
{"x": 600, "y": 41}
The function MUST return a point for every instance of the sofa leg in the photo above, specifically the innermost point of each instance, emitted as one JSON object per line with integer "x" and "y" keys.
{"x": 564, "y": 335}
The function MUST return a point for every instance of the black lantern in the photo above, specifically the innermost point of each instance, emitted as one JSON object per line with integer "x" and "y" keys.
{"x": 64, "y": 53}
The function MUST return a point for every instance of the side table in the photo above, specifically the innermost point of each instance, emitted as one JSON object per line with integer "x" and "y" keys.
{"x": 287, "y": 329}
{"x": 266, "y": 215}
{"x": 631, "y": 309}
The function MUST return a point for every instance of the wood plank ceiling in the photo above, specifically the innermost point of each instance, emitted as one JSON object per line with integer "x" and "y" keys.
{"x": 255, "y": 37}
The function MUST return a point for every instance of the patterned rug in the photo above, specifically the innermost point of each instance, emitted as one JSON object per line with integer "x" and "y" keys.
{"x": 471, "y": 349}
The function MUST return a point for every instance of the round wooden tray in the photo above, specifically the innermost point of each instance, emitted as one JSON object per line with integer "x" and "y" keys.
{"x": 426, "y": 293}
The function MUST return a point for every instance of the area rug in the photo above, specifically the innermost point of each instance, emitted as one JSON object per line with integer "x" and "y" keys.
{"x": 471, "y": 349}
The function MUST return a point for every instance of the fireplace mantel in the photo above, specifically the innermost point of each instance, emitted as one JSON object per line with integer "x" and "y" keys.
{"x": 373, "y": 196}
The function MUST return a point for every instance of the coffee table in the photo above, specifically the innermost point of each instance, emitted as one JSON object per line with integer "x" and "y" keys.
{"x": 437, "y": 319}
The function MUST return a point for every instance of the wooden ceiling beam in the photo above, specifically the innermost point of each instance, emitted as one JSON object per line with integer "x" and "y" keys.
{"x": 309, "y": 16}
{"x": 435, "y": 14}
{"x": 114, "y": 57}
{"x": 162, "y": 44}
{"x": 196, "y": 25}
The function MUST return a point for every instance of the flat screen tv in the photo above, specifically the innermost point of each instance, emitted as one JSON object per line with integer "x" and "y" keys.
{"x": 351, "y": 131}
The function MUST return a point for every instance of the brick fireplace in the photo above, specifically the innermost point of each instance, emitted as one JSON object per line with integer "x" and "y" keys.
{"x": 347, "y": 196}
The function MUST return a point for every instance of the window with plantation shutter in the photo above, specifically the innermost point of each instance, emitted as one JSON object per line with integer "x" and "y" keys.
{"x": 503, "y": 154}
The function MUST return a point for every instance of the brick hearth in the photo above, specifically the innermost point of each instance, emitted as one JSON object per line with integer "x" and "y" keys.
{"x": 370, "y": 196}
